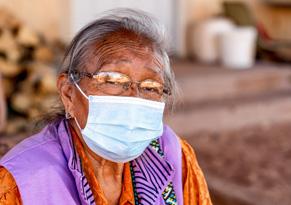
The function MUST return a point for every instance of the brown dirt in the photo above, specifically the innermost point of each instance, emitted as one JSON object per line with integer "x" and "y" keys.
{"x": 256, "y": 160}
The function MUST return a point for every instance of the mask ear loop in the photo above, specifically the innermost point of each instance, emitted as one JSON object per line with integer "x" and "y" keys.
{"x": 76, "y": 84}
{"x": 81, "y": 91}
{"x": 77, "y": 123}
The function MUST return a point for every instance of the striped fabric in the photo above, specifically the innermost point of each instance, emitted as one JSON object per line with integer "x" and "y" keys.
{"x": 88, "y": 195}
{"x": 169, "y": 194}
{"x": 86, "y": 190}
{"x": 152, "y": 176}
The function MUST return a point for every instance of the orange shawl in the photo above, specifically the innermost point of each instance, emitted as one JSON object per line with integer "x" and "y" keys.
{"x": 195, "y": 190}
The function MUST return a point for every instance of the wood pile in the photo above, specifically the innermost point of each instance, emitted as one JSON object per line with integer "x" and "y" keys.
{"x": 28, "y": 68}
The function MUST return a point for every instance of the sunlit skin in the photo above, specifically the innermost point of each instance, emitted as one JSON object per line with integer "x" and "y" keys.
{"x": 138, "y": 68}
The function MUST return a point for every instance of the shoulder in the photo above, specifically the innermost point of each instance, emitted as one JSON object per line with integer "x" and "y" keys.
{"x": 32, "y": 145}
{"x": 189, "y": 160}
{"x": 9, "y": 193}
{"x": 188, "y": 152}
{"x": 169, "y": 140}
{"x": 194, "y": 183}
{"x": 37, "y": 154}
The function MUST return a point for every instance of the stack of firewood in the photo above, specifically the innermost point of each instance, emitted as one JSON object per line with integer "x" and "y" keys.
{"x": 28, "y": 67}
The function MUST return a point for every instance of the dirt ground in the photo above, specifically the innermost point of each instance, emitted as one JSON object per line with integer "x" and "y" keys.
{"x": 255, "y": 161}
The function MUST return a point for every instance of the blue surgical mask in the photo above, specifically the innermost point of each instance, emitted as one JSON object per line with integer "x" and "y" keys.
{"x": 120, "y": 128}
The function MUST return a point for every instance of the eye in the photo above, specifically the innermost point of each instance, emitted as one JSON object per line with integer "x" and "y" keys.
{"x": 151, "y": 86}
{"x": 111, "y": 78}
{"x": 152, "y": 90}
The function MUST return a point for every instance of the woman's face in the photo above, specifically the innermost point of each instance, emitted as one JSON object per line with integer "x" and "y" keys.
{"x": 127, "y": 67}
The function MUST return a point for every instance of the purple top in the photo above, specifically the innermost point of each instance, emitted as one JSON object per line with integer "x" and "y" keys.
{"x": 46, "y": 169}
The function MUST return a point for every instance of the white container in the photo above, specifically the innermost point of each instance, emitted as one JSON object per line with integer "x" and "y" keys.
{"x": 204, "y": 43}
{"x": 237, "y": 47}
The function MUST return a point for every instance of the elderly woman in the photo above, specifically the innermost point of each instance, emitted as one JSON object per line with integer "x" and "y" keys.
{"x": 109, "y": 144}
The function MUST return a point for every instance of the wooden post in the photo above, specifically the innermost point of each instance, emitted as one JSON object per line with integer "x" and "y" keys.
{"x": 2, "y": 107}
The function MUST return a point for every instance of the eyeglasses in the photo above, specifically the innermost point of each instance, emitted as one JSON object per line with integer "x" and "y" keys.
{"x": 115, "y": 83}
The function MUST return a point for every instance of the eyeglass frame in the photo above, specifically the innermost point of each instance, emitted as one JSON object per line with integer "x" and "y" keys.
{"x": 82, "y": 74}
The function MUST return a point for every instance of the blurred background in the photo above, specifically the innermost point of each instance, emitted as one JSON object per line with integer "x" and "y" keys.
{"x": 231, "y": 59}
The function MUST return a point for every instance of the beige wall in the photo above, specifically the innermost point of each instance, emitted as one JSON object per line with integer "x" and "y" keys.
{"x": 201, "y": 9}
{"x": 52, "y": 17}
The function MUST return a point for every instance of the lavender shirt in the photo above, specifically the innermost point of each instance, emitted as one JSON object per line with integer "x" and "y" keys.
{"x": 45, "y": 168}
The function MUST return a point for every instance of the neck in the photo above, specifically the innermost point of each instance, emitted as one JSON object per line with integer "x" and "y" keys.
{"x": 108, "y": 174}
{"x": 104, "y": 168}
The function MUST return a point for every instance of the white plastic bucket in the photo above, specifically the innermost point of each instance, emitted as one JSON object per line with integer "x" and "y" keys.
{"x": 237, "y": 47}
{"x": 205, "y": 39}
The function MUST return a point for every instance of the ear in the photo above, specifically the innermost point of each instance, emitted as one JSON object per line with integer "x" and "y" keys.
{"x": 65, "y": 89}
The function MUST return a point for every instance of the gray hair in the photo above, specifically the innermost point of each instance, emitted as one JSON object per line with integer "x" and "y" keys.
{"x": 134, "y": 21}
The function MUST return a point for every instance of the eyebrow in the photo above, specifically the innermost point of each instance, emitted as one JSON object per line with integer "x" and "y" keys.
{"x": 155, "y": 69}
{"x": 120, "y": 61}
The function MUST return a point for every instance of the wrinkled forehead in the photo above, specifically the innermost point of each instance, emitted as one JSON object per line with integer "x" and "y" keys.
{"x": 123, "y": 46}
